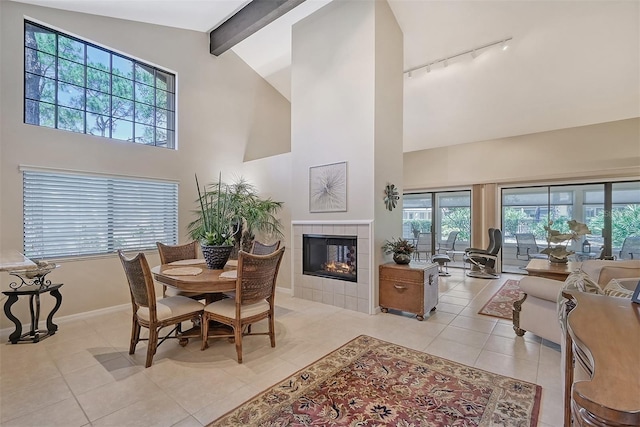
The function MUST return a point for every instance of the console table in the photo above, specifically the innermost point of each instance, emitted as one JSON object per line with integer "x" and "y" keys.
{"x": 603, "y": 337}
{"x": 32, "y": 283}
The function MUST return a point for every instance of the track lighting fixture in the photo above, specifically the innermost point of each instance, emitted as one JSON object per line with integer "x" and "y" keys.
{"x": 473, "y": 52}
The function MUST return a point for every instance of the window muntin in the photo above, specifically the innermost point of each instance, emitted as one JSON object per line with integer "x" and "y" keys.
{"x": 74, "y": 85}
{"x": 68, "y": 215}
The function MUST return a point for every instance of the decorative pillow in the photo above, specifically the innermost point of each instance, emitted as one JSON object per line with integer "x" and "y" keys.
{"x": 616, "y": 289}
{"x": 583, "y": 282}
{"x": 578, "y": 280}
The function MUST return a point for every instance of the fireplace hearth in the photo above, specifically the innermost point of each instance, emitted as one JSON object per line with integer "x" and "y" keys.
{"x": 330, "y": 256}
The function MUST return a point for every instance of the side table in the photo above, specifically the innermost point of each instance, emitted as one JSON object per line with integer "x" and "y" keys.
{"x": 32, "y": 286}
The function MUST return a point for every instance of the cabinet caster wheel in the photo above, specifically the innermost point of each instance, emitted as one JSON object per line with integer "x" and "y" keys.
{"x": 420, "y": 318}
{"x": 384, "y": 310}
{"x": 183, "y": 342}
{"x": 433, "y": 309}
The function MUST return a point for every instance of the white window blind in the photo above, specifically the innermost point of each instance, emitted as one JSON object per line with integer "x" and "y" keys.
{"x": 68, "y": 215}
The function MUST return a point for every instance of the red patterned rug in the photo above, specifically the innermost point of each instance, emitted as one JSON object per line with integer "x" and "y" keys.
{"x": 501, "y": 303}
{"x": 369, "y": 382}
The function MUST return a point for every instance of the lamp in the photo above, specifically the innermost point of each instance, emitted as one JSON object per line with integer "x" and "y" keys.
{"x": 445, "y": 60}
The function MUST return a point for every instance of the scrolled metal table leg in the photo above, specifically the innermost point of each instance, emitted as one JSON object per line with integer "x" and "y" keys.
{"x": 517, "y": 307}
{"x": 52, "y": 327}
{"x": 15, "y": 335}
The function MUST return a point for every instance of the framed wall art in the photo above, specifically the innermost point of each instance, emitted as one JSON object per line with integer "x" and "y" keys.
{"x": 328, "y": 188}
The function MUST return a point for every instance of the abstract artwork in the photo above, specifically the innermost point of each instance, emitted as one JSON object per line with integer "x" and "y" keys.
{"x": 328, "y": 188}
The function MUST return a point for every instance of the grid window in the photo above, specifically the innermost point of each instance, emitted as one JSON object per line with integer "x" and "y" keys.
{"x": 74, "y": 85}
{"x": 68, "y": 215}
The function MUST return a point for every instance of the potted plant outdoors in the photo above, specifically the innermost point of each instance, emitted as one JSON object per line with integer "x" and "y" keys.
{"x": 251, "y": 215}
{"x": 400, "y": 248}
{"x": 416, "y": 228}
{"x": 214, "y": 226}
{"x": 559, "y": 253}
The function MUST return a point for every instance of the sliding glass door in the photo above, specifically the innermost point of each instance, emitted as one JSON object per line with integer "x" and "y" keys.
{"x": 610, "y": 210}
{"x": 444, "y": 218}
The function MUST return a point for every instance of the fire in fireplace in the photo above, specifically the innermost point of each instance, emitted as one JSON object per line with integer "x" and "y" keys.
{"x": 330, "y": 256}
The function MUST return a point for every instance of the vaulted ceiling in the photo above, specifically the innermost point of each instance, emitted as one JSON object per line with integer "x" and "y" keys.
{"x": 570, "y": 63}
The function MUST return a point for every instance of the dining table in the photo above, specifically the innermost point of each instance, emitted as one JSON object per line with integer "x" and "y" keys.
{"x": 194, "y": 276}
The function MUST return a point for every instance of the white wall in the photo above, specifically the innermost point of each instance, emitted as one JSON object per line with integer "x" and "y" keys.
{"x": 606, "y": 150}
{"x": 224, "y": 110}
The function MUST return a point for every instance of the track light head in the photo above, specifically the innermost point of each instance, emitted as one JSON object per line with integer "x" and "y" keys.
{"x": 505, "y": 45}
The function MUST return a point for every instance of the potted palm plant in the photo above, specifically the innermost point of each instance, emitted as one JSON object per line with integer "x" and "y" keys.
{"x": 231, "y": 215}
{"x": 214, "y": 225}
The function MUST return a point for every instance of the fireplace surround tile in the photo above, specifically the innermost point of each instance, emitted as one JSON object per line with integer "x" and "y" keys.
{"x": 339, "y": 293}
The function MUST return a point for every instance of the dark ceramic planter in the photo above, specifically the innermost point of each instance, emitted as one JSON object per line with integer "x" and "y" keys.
{"x": 402, "y": 258}
{"x": 216, "y": 256}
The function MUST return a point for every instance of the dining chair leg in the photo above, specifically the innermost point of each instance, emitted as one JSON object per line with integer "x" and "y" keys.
{"x": 237, "y": 331}
{"x": 204, "y": 330}
{"x": 153, "y": 344}
{"x": 272, "y": 330}
{"x": 135, "y": 335}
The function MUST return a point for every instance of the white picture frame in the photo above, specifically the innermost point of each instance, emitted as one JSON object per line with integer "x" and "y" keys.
{"x": 328, "y": 188}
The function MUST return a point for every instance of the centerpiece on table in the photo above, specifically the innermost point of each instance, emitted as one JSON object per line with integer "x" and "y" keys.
{"x": 559, "y": 253}
{"x": 214, "y": 225}
{"x": 400, "y": 248}
{"x": 230, "y": 216}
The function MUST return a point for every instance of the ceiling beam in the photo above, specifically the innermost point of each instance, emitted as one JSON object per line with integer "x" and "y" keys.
{"x": 248, "y": 20}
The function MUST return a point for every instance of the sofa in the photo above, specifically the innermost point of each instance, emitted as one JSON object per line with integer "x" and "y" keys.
{"x": 537, "y": 311}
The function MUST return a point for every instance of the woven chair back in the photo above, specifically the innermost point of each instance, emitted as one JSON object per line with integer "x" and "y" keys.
{"x": 261, "y": 249}
{"x": 171, "y": 253}
{"x": 140, "y": 281}
{"x": 257, "y": 276}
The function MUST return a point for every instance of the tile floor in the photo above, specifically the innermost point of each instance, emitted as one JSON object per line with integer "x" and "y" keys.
{"x": 83, "y": 376}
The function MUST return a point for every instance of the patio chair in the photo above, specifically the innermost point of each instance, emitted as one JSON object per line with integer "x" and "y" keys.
{"x": 423, "y": 245}
{"x": 254, "y": 299}
{"x": 527, "y": 247}
{"x": 152, "y": 314}
{"x": 630, "y": 248}
{"x": 450, "y": 244}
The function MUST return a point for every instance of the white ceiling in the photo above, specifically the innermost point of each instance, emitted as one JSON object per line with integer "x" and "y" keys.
{"x": 570, "y": 63}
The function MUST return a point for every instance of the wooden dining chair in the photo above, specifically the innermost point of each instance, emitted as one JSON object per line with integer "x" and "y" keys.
{"x": 258, "y": 248}
{"x": 254, "y": 299}
{"x": 173, "y": 253}
{"x": 152, "y": 314}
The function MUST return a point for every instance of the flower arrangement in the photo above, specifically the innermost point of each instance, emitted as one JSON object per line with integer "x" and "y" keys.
{"x": 559, "y": 252}
{"x": 398, "y": 246}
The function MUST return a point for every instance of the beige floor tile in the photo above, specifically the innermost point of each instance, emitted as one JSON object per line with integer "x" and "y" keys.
{"x": 66, "y": 413}
{"x": 45, "y": 393}
{"x": 156, "y": 410}
{"x": 466, "y": 336}
{"x": 517, "y": 347}
{"x": 474, "y": 324}
{"x": 190, "y": 421}
{"x": 217, "y": 409}
{"x": 455, "y": 351}
{"x": 509, "y": 366}
{"x": 551, "y": 407}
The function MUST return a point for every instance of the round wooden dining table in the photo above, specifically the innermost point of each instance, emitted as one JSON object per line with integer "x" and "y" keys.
{"x": 206, "y": 282}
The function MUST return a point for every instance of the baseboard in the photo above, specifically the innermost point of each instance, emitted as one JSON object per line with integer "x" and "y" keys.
{"x": 83, "y": 315}
{"x": 283, "y": 290}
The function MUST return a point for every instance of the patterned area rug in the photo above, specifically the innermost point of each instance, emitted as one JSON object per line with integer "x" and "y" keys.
{"x": 501, "y": 303}
{"x": 369, "y": 382}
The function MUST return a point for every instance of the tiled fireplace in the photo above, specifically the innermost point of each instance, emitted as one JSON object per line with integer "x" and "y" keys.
{"x": 344, "y": 247}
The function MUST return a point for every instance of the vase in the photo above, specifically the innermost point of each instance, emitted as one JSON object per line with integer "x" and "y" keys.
{"x": 555, "y": 260}
{"x": 216, "y": 256}
{"x": 402, "y": 258}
